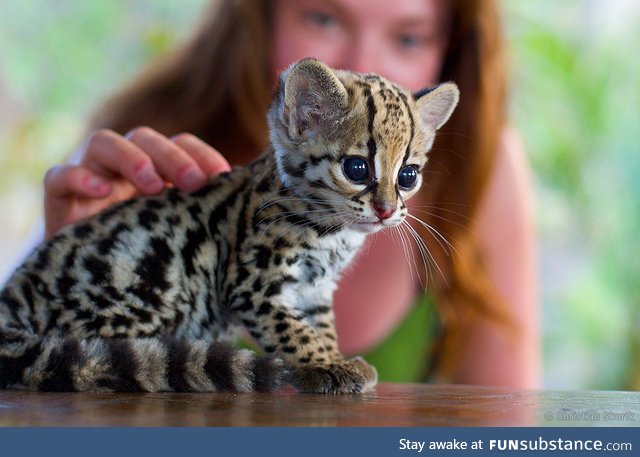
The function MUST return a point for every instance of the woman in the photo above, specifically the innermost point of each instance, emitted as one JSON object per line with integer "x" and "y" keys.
{"x": 477, "y": 194}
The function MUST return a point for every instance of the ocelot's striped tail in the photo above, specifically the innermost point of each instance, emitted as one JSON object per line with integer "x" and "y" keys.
{"x": 133, "y": 365}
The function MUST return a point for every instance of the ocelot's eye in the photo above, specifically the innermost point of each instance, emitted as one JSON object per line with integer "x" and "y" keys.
{"x": 356, "y": 169}
{"x": 408, "y": 177}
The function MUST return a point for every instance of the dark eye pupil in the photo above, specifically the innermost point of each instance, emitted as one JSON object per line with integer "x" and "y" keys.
{"x": 407, "y": 177}
{"x": 356, "y": 169}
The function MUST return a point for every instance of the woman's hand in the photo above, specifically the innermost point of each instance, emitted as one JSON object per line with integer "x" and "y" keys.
{"x": 115, "y": 168}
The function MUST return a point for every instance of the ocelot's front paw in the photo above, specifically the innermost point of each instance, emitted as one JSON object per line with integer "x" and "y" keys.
{"x": 339, "y": 377}
{"x": 369, "y": 371}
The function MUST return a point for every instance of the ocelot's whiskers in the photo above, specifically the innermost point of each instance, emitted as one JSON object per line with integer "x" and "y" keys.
{"x": 440, "y": 239}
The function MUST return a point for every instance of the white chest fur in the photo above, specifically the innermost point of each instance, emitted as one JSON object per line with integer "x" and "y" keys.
{"x": 318, "y": 270}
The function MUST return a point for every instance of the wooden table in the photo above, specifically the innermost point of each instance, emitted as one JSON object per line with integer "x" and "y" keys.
{"x": 414, "y": 405}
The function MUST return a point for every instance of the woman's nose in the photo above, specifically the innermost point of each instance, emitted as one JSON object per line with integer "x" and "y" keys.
{"x": 362, "y": 55}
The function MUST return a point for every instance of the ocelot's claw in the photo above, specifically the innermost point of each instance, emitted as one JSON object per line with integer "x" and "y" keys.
{"x": 339, "y": 377}
{"x": 369, "y": 371}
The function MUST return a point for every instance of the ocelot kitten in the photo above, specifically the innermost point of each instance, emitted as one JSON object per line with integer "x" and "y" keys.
{"x": 142, "y": 296}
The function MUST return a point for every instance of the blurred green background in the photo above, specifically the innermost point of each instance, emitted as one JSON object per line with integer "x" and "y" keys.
{"x": 575, "y": 78}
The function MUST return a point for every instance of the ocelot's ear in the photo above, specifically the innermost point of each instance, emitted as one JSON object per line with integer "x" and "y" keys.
{"x": 436, "y": 104}
{"x": 314, "y": 98}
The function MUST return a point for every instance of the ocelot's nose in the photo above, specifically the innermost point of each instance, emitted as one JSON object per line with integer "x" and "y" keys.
{"x": 383, "y": 210}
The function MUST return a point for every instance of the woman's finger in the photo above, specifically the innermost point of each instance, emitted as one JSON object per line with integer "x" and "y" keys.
{"x": 109, "y": 154}
{"x": 74, "y": 180}
{"x": 208, "y": 158}
{"x": 172, "y": 162}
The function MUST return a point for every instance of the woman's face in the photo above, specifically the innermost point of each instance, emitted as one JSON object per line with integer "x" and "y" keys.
{"x": 403, "y": 40}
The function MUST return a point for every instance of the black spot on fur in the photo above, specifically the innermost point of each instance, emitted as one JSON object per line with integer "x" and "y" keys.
{"x": 297, "y": 220}
{"x": 114, "y": 293}
{"x": 42, "y": 260}
{"x": 242, "y": 225}
{"x": 145, "y": 316}
{"x": 40, "y": 287}
{"x": 70, "y": 304}
{"x": 147, "y": 219}
{"x": 99, "y": 301}
{"x": 27, "y": 293}
{"x": 257, "y": 284}
{"x": 264, "y": 186}
{"x": 121, "y": 321}
{"x": 194, "y": 210}
{"x": 244, "y": 306}
{"x": 99, "y": 269}
{"x": 220, "y": 212}
{"x": 152, "y": 268}
{"x": 291, "y": 170}
{"x": 93, "y": 327}
{"x": 64, "y": 284}
{"x": 318, "y": 184}
{"x": 84, "y": 314}
{"x": 274, "y": 288}
{"x": 302, "y": 168}
{"x": 281, "y": 243}
{"x": 174, "y": 195}
{"x": 154, "y": 204}
{"x": 82, "y": 231}
{"x": 106, "y": 244}
{"x": 242, "y": 274}
{"x": 318, "y": 310}
{"x": 264, "y": 309}
{"x": 263, "y": 255}
{"x": 173, "y": 220}
{"x": 52, "y": 320}
{"x": 281, "y": 327}
{"x": 195, "y": 239}
{"x": 292, "y": 260}
{"x": 315, "y": 161}
{"x": 249, "y": 323}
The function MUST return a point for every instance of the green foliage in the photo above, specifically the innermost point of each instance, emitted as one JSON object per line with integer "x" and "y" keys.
{"x": 577, "y": 94}
{"x": 60, "y": 59}
{"x": 403, "y": 355}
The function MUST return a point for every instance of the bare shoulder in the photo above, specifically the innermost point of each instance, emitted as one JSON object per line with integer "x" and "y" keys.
{"x": 507, "y": 207}
{"x": 506, "y": 224}
{"x": 505, "y": 229}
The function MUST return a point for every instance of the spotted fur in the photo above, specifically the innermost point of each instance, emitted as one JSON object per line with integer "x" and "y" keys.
{"x": 143, "y": 296}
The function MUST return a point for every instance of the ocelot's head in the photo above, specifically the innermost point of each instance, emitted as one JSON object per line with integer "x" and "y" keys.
{"x": 354, "y": 143}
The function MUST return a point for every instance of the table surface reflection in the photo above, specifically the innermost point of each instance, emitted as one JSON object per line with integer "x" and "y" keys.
{"x": 406, "y": 405}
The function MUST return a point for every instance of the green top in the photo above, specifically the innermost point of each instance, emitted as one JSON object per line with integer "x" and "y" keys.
{"x": 402, "y": 357}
